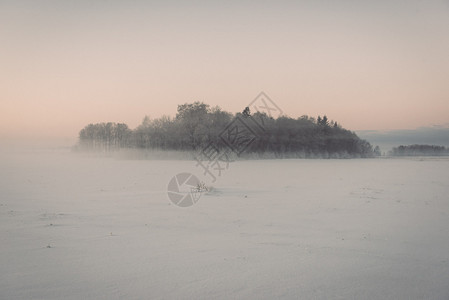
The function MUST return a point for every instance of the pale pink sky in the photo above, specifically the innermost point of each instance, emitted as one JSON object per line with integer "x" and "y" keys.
{"x": 366, "y": 64}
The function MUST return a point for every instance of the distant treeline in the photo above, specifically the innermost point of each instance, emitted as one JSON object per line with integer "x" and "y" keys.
{"x": 420, "y": 150}
{"x": 197, "y": 125}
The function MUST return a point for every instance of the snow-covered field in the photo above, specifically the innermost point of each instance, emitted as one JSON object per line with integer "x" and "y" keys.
{"x": 79, "y": 227}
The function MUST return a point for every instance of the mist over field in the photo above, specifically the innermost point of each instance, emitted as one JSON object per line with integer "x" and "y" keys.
{"x": 85, "y": 226}
{"x": 224, "y": 149}
{"x": 387, "y": 139}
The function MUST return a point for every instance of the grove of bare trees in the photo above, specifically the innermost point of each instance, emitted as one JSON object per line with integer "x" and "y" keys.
{"x": 197, "y": 124}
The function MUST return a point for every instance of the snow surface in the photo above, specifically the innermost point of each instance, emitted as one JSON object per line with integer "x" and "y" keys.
{"x": 80, "y": 227}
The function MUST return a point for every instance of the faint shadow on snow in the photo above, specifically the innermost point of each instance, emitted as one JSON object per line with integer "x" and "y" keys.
{"x": 231, "y": 192}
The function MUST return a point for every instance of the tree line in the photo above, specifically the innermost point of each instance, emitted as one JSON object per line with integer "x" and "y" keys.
{"x": 197, "y": 125}
{"x": 419, "y": 150}
{"x": 105, "y": 136}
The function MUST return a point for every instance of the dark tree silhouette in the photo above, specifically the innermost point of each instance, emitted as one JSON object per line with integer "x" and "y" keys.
{"x": 196, "y": 125}
{"x": 104, "y": 136}
{"x": 246, "y": 112}
{"x": 193, "y": 119}
{"x": 420, "y": 150}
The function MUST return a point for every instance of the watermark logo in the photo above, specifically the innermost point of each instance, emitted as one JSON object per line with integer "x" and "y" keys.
{"x": 212, "y": 161}
{"x": 238, "y": 136}
{"x": 262, "y": 103}
{"x": 185, "y": 189}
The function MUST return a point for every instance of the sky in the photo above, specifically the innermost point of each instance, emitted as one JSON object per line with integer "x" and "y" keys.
{"x": 370, "y": 65}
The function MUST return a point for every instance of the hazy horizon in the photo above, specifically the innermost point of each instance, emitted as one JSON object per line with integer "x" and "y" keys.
{"x": 368, "y": 65}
